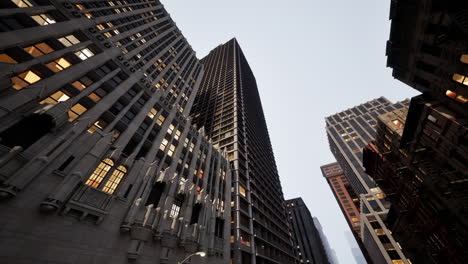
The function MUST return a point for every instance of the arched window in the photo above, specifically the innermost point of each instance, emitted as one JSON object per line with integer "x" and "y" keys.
{"x": 100, "y": 173}
{"x": 115, "y": 179}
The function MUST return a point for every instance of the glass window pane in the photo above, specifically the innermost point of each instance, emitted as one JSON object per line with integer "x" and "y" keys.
{"x": 6, "y": 58}
{"x": 33, "y": 51}
{"x": 30, "y": 77}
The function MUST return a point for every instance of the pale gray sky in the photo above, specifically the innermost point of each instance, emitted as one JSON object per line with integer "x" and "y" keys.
{"x": 311, "y": 59}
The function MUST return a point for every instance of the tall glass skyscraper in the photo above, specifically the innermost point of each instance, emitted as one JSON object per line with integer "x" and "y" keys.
{"x": 229, "y": 109}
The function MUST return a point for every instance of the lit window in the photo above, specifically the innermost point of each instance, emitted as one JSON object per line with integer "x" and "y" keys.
{"x": 88, "y": 15}
{"x": 100, "y": 173}
{"x": 460, "y": 79}
{"x": 39, "y": 49}
{"x": 93, "y": 96}
{"x": 80, "y": 7}
{"x": 464, "y": 58}
{"x": 76, "y": 111}
{"x": 177, "y": 135}
{"x": 175, "y": 210}
{"x": 100, "y": 27}
{"x": 397, "y": 123}
{"x": 58, "y": 65}
{"x": 69, "y": 40}
{"x": 152, "y": 113}
{"x": 171, "y": 150}
{"x": 24, "y": 79}
{"x": 98, "y": 125}
{"x": 6, "y": 58}
{"x": 79, "y": 85}
{"x": 22, "y": 3}
{"x": 163, "y": 144}
{"x": 160, "y": 120}
{"x": 456, "y": 97}
{"x": 43, "y": 19}
{"x": 242, "y": 191}
{"x": 84, "y": 54}
{"x": 114, "y": 180}
{"x": 58, "y": 96}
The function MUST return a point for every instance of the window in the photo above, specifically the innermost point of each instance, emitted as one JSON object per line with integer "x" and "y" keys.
{"x": 93, "y": 96}
{"x": 115, "y": 179}
{"x": 163, "y": 144}
{"x": 152, "y": 113}
{"x": 56, "y": 97}
{"x": 242, "y": 191}
{"x": 398, "y": 123}
{"x": 5, "y": 58}
{"x": 84, "y": 54}
{"x": 100, "y": 173}
{"x": 39, "y": 49}
{"x": 456, "y": 97}
{"x": 171, "y": 150}
{"x": 69, "y": 40}
{"x": 160, "y": 120}
{"x": 464, "y": 58}
{"x": 175, "y": 210}
{"x": 43, "y": 19}
{"x": 80, "y": 85}
{"x": 22, "y": 3}
{"x": 98, "y": 125}
{"x": 76, "y": 111}
{"x": 460, "y": 78}
{"x": 24, "y": 79}
{"x": 58, "y": 65}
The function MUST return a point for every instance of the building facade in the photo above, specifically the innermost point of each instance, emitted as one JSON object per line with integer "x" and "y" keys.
{"x": 428, "y": 49}
{"x": 344, "y": 195}
{"x": 309, "y": 245}
{"x": 348, "y": 133}
{"x": 425, "y": 174}
{"x": 229, "y": 109}
{"x": 99, "y": 161}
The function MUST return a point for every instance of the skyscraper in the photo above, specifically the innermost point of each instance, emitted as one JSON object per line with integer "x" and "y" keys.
{"x": 98, "y": 160}
{"x": 309, "y": 245}
{"x": 229, "y": 109}
{"x": 348, "y": 133}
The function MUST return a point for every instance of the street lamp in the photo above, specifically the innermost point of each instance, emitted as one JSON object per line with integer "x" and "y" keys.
{"x": 201, "y": 254}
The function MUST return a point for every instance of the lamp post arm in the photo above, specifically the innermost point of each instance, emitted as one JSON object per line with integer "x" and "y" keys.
{"x": 189, "y": 256}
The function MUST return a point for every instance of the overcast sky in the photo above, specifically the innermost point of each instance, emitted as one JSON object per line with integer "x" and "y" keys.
{"x": 311, "y": 59}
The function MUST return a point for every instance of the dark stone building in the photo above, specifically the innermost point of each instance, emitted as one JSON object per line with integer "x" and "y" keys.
{"x": 309, "y": 245}
{"x": 98, "y": 159}
{"x": 228, "y": 106}
{"x": 428, "y": 49}
{"x": 348, "y": 133}
{"x": 424, "y": 175}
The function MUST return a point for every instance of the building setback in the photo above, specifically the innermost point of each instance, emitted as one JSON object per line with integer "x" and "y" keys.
{"x": 348, "y": 133}
{"x": 98, "y": 160}
{"x": 309, "y": 245}
{"x": 229, "y": 109}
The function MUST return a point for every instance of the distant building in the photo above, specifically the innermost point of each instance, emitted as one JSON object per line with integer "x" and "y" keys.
{"x": 348, "y": 133}
{"x": 357, "y": 252}
{"x": 344, "y": 194}
{"x": 309, "y": 244}
{"x": 424, "y": 175}
{"x": 331, "y": 254}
